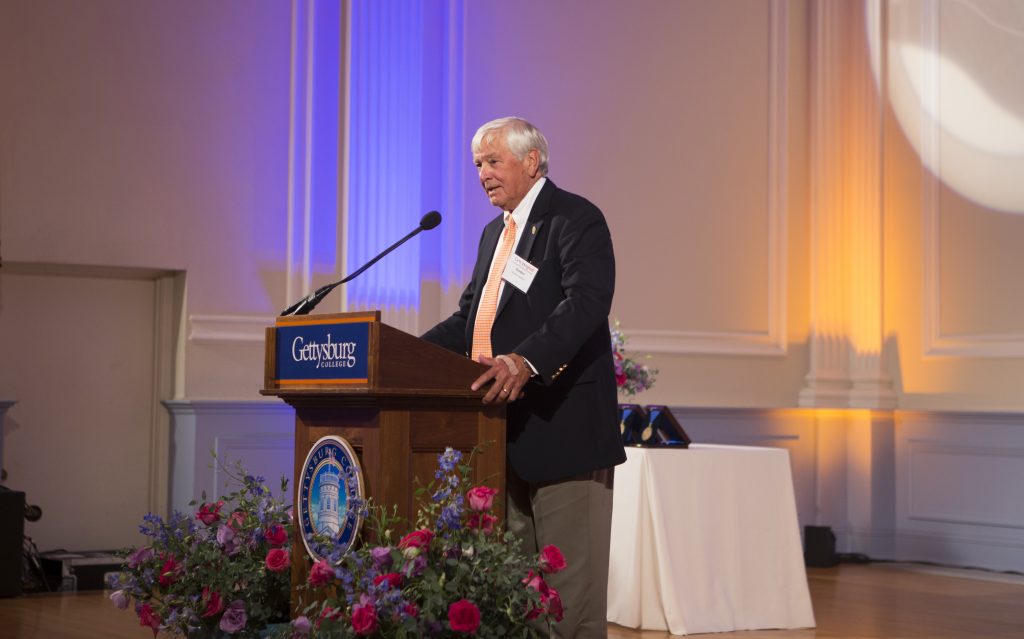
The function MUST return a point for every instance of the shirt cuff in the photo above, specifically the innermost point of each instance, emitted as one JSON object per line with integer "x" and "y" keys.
{"x": 533, "y": 369}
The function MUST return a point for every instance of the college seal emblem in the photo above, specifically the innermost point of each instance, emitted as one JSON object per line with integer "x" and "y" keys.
{"x": 330, "y": 484}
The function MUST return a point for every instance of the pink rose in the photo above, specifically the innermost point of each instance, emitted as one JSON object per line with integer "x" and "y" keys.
{"x": 149, "y": 618}
{"x": 393, "y": 579}
{"x": 236, "y": 520}
{"x": 463, "y": 616}
{"x": 416, "y": 539}
{"x": 209, "y": 514}
{"x": 552, "y": 560}
{"x": 276, "y": 535}
{"x": 167, "y": 573}
{"x": 536, "y": 581}
{"x": 481, "y": 498}
{"x": 410, "y": 610}
{"x": 482, "y": 521}
{"x": 554, "y": 604}
{"x": 364, "y": 619}
{"x": 321, "y": 574}
{"x": 330, "y": 614}
{"x": 550, "y": 600}
{"x": 214, "y": 603}
{"x": 277, "y": 560}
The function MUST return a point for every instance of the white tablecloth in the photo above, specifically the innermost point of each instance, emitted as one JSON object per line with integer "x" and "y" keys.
{"x": 706, "y": 540}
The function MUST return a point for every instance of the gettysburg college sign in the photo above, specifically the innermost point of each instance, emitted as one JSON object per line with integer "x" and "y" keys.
{"x": 322, "y": 351}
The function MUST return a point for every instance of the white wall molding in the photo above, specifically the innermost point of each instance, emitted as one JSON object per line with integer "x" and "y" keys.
{"x": 169, "y": 301}
{"x": 227, "y": 329}
{"x": 772, "y": 341}
{"x": 707, "y": 342}
{"x": 855, "y": 471}
{"x": 778, "y": 176}
{"x": 956, "y": 488}
{"x": 972, "y": 468}
{"x": 990, "y": 345}
{"x": 258, "y": 433}
{"x": 935, "y": 342}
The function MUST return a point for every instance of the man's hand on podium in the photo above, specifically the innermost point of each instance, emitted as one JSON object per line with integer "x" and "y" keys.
{"x": 509, "y": 374}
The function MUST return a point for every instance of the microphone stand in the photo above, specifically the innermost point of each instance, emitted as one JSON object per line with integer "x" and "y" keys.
{"x": 308, "y": 303}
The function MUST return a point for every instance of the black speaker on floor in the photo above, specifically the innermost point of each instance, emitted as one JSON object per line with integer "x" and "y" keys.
{"x": 12, "y": 535}
{"x": 820, "y": 547}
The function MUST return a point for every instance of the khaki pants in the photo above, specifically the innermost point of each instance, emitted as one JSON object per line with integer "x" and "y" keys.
{"x": 574, "y": 514}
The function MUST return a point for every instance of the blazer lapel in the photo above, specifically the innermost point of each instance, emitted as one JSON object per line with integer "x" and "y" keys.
{"x": 538, "y": 214}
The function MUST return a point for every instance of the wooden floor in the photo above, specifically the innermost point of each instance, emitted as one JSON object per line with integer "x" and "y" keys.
{"x": 850, "y": 601}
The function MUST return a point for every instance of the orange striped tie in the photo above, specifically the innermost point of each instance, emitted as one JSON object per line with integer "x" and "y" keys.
{"x": 489, "y": 304}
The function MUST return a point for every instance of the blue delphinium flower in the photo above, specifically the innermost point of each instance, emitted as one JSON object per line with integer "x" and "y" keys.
{"x": 152, "y": 525}
{"x": 448, "y": 460}
{"x": 451, "y": 515}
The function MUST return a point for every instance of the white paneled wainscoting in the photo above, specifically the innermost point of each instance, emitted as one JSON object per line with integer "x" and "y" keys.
{"x": 257, "y": 433}
{"x": 931, "y": 486}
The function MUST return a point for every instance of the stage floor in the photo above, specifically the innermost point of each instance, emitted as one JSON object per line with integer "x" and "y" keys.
{"x": 881, "y": 600}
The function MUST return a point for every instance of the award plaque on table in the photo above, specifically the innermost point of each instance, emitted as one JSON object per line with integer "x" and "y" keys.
{"x": 663, "y": 430}
{"x": 632, "y": 420}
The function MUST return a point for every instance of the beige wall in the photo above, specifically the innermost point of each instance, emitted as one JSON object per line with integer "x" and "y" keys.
{"x": 152, "y": 138}
{"x": 156, "y": 136}
{"x": 954, "y": 315}
{"x": 685, "y": 122}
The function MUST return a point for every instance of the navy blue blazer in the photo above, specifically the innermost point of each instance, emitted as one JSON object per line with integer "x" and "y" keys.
{"x": 567, "y": 423}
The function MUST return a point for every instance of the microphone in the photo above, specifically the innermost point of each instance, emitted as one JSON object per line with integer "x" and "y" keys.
{"x": 308, "y": 303}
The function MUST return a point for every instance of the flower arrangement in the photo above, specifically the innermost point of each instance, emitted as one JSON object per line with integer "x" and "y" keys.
{"x": 631, "y": 376}
{"x": 223, "y": 571}
{"x": 454, "y": 575}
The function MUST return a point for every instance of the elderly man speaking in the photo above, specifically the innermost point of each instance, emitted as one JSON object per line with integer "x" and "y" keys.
{"x": 536, "y": 313}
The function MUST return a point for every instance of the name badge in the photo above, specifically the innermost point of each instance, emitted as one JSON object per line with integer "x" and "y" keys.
{"x": 519, "y": 273}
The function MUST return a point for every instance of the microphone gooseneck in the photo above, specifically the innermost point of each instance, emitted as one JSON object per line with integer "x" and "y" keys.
{"x": 308, "y": 303}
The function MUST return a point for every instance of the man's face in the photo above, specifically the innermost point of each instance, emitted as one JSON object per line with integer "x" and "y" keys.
{"x": 506, "y": 179}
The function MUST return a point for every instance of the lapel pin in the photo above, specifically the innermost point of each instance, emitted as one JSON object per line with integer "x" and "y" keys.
{"x": 533, "y": 230}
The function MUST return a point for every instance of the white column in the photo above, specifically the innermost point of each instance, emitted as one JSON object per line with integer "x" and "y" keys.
{"x": 846, "y": 367}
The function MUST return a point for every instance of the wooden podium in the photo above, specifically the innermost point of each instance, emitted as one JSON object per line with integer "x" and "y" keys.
{"x": 408, "y": 401}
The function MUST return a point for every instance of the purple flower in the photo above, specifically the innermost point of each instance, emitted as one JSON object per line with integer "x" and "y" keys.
{"x": 381, "y": 556}
{"x": 226, "y": 539}
{"x": 301, "y": 626}
{"x": 415, "y": 566}
{"x": 234, "y": 617}
{"x": 449, "y": 460}
{"x": 120, "y": 599}
{"x": 140, "y": 556}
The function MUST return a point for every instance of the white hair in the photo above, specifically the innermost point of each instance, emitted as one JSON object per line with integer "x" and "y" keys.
{"x": 520, "y": 136}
